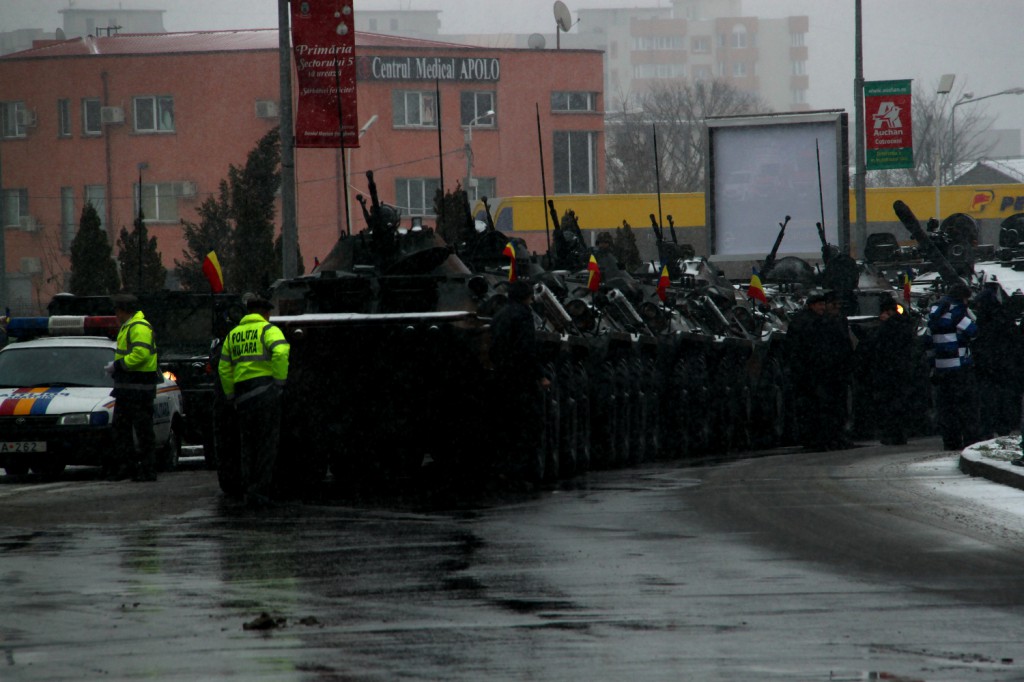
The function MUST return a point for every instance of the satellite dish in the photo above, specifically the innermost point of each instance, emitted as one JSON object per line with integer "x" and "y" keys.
{"x": 536, "y": 41}
{"x": 562, "y": 16}
{"x": 60, "y": 34}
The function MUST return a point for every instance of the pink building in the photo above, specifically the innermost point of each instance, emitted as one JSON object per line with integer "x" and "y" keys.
{"x": 86, "y": 119}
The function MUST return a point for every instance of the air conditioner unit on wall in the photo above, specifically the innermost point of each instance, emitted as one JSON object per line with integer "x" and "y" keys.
{"x": 31, "y": 266}
{"x": 110, "y": 115}
{"x": 28, "y": 223}
{"x": 27, "y": 118}
{"x": 266, "y": 108}
{"x": 185, "y": 189}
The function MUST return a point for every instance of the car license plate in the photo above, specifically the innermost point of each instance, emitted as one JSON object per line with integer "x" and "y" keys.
{"x": 24, "y": 446}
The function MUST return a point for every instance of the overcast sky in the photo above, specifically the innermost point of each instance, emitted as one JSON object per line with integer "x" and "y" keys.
{"x": 978, "y": 40}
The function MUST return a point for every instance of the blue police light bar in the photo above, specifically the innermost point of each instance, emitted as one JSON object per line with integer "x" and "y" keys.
{"x": 27, "y": 327}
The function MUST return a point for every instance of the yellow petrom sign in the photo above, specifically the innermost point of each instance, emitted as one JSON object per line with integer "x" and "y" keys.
{"x": 992, "y": 202}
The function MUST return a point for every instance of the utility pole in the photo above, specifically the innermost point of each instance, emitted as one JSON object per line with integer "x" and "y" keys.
{"x": 289, "y": 231}
{"x": 860, "y": 233}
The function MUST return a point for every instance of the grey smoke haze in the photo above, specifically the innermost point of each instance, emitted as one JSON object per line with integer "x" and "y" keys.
{"x": 979, "y": 41}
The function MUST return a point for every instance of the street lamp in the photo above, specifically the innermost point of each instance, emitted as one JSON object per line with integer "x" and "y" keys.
{"x": 468, "y": 138}
{"x": 969, "y": 98}
{"x": 945, "y": 85}
{"x": 348, "y": 170}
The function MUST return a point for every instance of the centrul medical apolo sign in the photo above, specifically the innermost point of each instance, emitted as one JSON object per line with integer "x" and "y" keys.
{"x": 890, "y": 133}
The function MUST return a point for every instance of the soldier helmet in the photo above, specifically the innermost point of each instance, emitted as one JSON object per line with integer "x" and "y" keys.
{"x": 256, "y": 302}
{"x": 888, "y": 303}
{"x": 816, "y": 296}
{"x": 125, "y": 301}
{"x": 959, "y": 291}
{"x": 520, "y": 291}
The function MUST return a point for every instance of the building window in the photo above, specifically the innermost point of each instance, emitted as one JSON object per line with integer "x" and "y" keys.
{"x": 739, "y": 70}
{"x": 702, "y": 44}
{"x": 575, "y": 169}
{"x": 799, "y": 96}
{"x": 154, "y": 114}
{"x": 15, "y": 206}
{"x": 12, "y": 119}
{"x": 413, "y": 108}
{"x": 415, "y": 196}
{"x": 97, "y": 196}
{"x": 796, "y": 39}
{"x": 68, "y": 224}
{"x": 473, "y": 105}
{"x": 63, "y": 118}
{"x": 738, "y": 37}
{"x": 702, "y": 73}
{"x": 573, "y": 101}
{"x": 648, "y": 43}
{"x": 159, "y": 202}
{"x": 483, "y": 187}
{"x": 800, "y": 68}
{"x": 91, "y": 116}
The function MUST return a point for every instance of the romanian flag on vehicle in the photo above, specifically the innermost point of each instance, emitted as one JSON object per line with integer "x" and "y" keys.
{"x": 594, "y": 279}
{"x": 906, "y": 287}
{"x": 663, "y": 284}
{"x": 510, "y": 251}
{"x": 755, "y": 290}
{"x": 214, "y": 275}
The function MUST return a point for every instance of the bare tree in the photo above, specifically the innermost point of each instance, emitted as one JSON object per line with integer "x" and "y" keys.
{"x": 675, "y": 111}
{"x": 939, "y": 143}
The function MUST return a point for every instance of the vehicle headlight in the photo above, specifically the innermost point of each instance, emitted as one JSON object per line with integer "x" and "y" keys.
{"x": 84, "y": 419}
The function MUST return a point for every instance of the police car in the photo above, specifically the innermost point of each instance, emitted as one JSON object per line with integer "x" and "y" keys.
{"x": 55, "y": 397}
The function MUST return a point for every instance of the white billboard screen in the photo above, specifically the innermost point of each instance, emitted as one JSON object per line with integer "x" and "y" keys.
{"x": 763, "y": 168}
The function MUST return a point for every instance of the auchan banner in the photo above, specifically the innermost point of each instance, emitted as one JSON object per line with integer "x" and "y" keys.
{"x": 323, "y": 43}
{"x": 890, "y": 133}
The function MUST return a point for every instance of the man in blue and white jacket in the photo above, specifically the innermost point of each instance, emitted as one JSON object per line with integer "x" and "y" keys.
{"x": 952, "y": 327}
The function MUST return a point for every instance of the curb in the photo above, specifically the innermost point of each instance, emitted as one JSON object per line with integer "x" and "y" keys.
{"x": 974, "y": 462}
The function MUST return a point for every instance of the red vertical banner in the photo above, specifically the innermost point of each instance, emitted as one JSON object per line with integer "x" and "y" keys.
{"x": 323, "y": 45}
{"x": 890, "y": 133}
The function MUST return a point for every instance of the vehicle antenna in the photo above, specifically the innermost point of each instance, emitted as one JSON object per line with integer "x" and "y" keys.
{"x": 657, "y": 171}
{"x": 440, "y": 152}
{"x": 543, "y": 181}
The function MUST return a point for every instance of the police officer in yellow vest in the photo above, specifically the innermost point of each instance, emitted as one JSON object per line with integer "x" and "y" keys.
{"x": 253, "y": 368}
{"x": 135, "y": 378}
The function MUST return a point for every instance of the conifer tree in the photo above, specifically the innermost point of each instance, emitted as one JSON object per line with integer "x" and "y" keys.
{"x": 252, "y": 191}
{"x": 214, "y": 232}
{"x": 135, "y": 246}
{"x": 93, "y": 269}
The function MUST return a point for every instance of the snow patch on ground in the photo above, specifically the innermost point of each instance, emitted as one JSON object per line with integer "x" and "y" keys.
{"x": 941, "y": 474}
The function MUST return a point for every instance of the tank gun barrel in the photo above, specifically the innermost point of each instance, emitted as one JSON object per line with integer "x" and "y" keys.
{"x": 554, "y": 312}
{"x": 623, "y": 311}
{"x": 554, "y": 214}
{"x": 913, "y": 225}
{"x": 659, "y": 235}
{"x": 672, "y": 228}
{"x": 769, "y": 260}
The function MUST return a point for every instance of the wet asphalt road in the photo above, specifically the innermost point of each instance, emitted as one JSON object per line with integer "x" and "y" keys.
{"x": 835, "y": 566}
